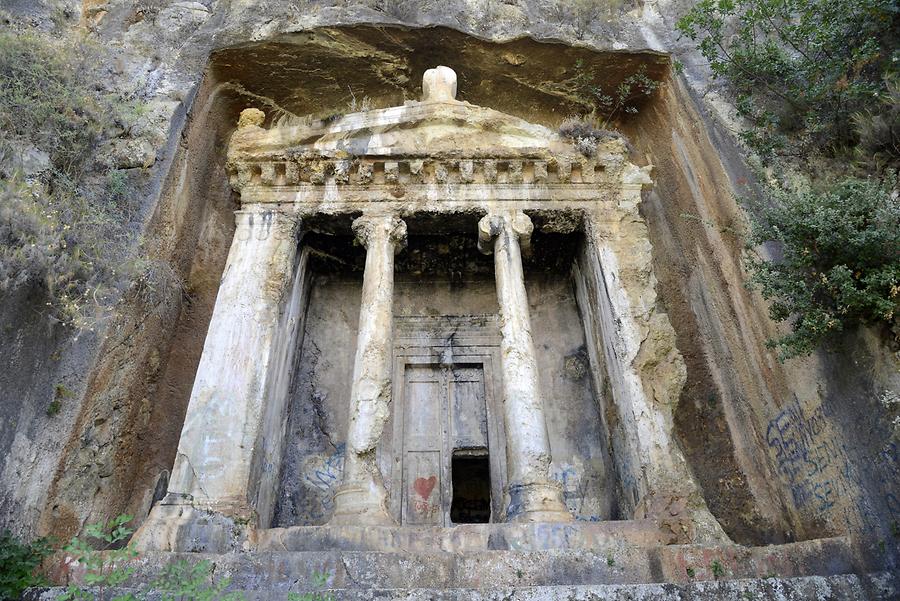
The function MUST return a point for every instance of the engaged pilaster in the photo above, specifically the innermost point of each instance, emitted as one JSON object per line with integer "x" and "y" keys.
{"x": 534, "y": 497}
{"x": 240, "y": 378}
{"x": 362, "y": 498}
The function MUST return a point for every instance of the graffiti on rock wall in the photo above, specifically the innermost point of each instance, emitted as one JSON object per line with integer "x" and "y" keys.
{"x": 820, "y": 470}
{"x": 581, "y": 489}
{"x": 811, "y": 461}
{"x": 321, "y": 475}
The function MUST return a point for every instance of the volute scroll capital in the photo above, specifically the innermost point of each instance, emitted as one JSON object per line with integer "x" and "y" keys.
{"x": 492, "y": 224}
{"x": 369, "y": 227}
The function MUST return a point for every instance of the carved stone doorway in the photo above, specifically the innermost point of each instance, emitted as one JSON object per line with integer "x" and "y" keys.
{"x": 445, "y": 390}
{"x": 444, "y": 413}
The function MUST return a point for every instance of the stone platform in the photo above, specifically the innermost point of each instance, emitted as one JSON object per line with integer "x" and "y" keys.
{"x": 619, "y": 564}
{"x": 582, "y": 561}
{"x": 874, "y": 587}
{"x": 464, "y": 538}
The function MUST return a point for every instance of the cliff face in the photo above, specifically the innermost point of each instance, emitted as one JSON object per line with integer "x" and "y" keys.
{"x": 781, "y": 452}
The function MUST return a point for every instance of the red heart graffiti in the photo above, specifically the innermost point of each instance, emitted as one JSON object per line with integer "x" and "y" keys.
{"x": 424, "y": 486}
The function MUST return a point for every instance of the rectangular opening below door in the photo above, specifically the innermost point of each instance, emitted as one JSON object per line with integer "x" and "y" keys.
{"x": 471, "y": 477}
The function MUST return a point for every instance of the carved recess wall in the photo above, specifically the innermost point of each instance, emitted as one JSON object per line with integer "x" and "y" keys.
{"x": 442, "y": 156}
{"x": 313, "y": 459}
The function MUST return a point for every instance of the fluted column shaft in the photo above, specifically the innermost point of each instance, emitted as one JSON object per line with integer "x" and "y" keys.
{"x": 533, "y": 495}
{"x": 361, "y": 498}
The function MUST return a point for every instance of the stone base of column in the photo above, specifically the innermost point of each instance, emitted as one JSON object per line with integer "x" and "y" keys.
{"x": 358, "y": 505}
{"x": 537, "y": 502}
{"x": 176, "y": 524}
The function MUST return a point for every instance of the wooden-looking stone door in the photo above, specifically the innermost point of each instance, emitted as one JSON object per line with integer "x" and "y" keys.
{"x": 444, "y": 445}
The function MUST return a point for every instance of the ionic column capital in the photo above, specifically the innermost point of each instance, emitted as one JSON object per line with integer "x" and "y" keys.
{"x": 492, "y": 224}
{"x": 368, "y": 228}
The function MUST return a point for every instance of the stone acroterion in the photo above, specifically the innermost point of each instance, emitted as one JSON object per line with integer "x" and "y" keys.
{"x": 439, "y": 85}
{"x": 251, "y": 118}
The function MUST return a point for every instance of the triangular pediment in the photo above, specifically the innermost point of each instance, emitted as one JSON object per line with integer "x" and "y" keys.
{"x": 419, "y": 152}
{"x": 415, "y": 130}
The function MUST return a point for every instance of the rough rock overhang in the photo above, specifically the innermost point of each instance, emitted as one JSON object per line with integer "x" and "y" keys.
{"x": 445, "y": 151}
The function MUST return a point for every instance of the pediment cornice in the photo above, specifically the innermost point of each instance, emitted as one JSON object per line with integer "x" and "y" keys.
{"x": 415, "y": 130}
{"x": 438, "y": 141}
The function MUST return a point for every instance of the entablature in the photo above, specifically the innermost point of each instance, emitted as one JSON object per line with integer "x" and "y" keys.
{"x": 437, "y": 150}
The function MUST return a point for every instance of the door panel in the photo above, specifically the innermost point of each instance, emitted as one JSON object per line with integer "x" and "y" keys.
{"x": 422, "y": 419}
{"x": 422, "y": 490}
{"x": 468, "y": 414}
{"x": 444, "y": 409}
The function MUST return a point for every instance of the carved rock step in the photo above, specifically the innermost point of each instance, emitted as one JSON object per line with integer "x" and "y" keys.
{"x": 280, "y": 572}
{"x": 465, "y": 538}
{"x": 874, "y": 587}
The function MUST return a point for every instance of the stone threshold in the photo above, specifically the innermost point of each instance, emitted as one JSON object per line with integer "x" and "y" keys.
{"x": 463, "y": 538}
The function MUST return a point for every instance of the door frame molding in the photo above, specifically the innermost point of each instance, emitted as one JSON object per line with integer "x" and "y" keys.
{"x": 447, "y": 340}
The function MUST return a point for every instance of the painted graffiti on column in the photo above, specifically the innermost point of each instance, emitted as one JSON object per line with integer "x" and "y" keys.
{"x": 580, "y": 490}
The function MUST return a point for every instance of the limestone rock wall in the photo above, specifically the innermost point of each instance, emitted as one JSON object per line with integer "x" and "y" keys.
{"x": 781, "y": 452}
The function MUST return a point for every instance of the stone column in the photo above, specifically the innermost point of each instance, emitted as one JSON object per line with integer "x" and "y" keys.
{"x": 230, "y": 447}
{"x": 362, "y": 498}
{"x": 534, "y": 497}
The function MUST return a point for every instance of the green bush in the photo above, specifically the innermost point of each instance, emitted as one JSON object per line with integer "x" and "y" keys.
{"x": 800, "y": 68}
{"x": 840, "y": 262}
{"x": 19, "y": 565}
{"x": 818, "y": 86}
{"x": 104, "y": 554}
{"x": 103, "y": 566}
{"x": 181, "y": 581}
{"x": 609, "y": 105}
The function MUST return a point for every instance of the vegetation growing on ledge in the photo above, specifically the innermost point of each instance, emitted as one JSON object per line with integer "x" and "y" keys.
{"x": 64, "y": 225}
{"x": 607, "y": 106}
{"x": 800, "y": 68}
{"x": 20, "y": 564}
{"x": 818, "y": 85}
{"x": 104, "y": 555}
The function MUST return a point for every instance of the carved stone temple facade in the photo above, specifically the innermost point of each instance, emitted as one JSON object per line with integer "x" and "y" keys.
{"x": 432, "y": 315}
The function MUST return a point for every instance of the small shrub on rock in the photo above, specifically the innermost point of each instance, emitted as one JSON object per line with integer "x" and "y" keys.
{"x": 20, "y": 564}
{"x": 65, "y": 225}
{"x": 586, "y": 133}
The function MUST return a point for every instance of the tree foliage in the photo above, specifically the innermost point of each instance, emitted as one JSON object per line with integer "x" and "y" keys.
{"x": 840, "y": 262}
{"x": 800, "y": 68}
{"x": 817, "y": 83}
